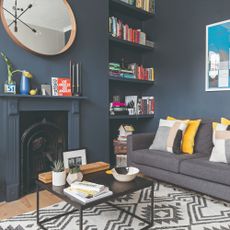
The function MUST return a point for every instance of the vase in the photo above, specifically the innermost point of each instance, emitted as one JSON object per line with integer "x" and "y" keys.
{"x": 74, "y": 177}
{"x": 24, "y": 85}
{"x": 58, "y": 178}
{"x": 10, "y": 88}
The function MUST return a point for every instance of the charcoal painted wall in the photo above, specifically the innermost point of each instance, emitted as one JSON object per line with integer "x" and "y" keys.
{"x": 179, "y": 30}
{"x": 90, "y": 48}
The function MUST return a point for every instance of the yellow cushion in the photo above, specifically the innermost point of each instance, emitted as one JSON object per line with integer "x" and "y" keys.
{"x": 225, "y": 121}
{"x": 188, "y": 140}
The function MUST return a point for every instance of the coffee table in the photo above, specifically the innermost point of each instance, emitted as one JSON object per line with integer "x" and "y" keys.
{"x": 118, "y": 189}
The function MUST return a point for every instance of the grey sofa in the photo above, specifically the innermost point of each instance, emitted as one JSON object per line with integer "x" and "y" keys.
{"x": 194, "y": 172}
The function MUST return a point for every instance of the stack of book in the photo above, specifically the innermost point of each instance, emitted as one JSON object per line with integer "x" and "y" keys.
{"x": 147, "y": 5}
{"x": 142, "y": 73}
{"x": 146, "y": 105}
{"x": 124, "y": 132}
{"x": 86, "y": 192}
{"x": 122, "y": 31}
{"x": 134, "y": 71}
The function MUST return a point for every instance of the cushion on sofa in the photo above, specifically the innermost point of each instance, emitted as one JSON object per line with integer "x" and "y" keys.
{"x": 202, "y": 168}
{"x": 203, "y": 140}
{"x": 161, "y": 159}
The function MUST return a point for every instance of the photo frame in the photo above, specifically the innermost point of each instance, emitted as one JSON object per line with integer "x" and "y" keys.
{"x": 218, "y": 56}
{"x": 73, "y": 158}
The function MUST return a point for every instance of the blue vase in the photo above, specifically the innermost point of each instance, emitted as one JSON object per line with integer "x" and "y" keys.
{"x": 24, "y": 85}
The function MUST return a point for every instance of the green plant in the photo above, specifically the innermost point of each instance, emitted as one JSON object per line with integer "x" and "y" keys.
{"x": 10, "y": 70}
{"x": 74, "y": 170}
{"x": 58, "y": 166}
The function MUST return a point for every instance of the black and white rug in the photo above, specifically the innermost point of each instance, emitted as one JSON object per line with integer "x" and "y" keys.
{"x": 175, "y": 209}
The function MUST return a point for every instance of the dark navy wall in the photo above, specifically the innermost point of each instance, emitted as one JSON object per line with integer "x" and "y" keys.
{"x": 179, "y": 30}
{"x": 90, "y": 48}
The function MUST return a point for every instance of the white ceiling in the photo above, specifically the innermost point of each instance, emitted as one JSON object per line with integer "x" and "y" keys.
{"x": 51, "y": 14}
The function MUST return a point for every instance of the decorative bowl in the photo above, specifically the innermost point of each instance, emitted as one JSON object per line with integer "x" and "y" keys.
{"x": 125, "y": 174}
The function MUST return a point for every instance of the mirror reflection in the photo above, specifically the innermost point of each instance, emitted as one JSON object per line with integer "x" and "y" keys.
{"x": 42, "y": 26}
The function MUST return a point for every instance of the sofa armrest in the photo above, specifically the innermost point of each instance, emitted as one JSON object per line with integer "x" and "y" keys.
{"x": 140, "y": 141}
{"x": 137, "y": 142}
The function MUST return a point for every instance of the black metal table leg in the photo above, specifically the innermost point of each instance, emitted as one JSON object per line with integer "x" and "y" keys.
{"x": 37, "y": 203}
{"x": 152, "y": 205}
{"x": 80, "y": 219}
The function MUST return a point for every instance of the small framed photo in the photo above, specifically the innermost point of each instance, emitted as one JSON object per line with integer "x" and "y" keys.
{"x": 74, "y": 158}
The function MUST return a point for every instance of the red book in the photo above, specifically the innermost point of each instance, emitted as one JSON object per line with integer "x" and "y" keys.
{"x": 61, "y": 86}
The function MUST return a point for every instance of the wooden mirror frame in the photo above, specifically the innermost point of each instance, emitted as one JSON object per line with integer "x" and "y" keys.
{"x": 67, "y": 46}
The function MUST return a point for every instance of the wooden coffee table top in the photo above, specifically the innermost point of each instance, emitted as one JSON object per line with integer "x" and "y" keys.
{"x": 118, "y": 188}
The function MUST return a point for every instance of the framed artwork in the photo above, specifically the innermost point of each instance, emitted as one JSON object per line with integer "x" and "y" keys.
{"x": 74, "y": 158}
{"x": 218, "y": 56}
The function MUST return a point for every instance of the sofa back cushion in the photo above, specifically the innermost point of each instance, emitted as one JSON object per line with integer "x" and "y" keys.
{"x": 203, "y": 140}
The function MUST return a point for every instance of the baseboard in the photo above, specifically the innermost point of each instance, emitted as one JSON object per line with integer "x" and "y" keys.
{"x": 12, "y": 192}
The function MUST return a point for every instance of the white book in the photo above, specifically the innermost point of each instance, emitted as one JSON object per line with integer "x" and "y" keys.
{"x": 88, "y": 186}
{"x": 70, "y": 192}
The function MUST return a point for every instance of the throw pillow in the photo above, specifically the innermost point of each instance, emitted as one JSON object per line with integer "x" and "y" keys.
{"x": 189, "y": 135}
{"x": 225, "y": 121}
{"x": 169, "y": 136}
{"x": 221, "y": 150}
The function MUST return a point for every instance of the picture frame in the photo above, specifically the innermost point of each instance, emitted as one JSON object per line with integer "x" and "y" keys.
{"x": 218, "y": 56}
{"x": 73, "y": 158}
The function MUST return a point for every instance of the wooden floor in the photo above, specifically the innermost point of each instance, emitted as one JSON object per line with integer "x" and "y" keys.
{"x": 26, "y": 204}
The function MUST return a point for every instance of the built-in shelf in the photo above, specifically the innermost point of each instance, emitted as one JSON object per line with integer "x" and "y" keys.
{"x": 126, "y": 117}
{"x": 127, "y": 44}
{"x": 42, "y": 97}
{"x": 130, "y": 10}
{"x": 131, "y": 80}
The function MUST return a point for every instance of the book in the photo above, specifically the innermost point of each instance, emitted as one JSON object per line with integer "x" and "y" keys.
{"x": 84, "y": 200}
{"x": 86, "y": 185}
{"x": 61, "y": 86}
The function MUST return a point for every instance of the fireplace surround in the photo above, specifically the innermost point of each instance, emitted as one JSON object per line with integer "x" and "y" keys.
{"x": 13, "y": 106}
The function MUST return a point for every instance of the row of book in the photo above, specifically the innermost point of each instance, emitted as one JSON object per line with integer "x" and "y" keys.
{"x": 133, "y": 105}
{"x": 147, "y": 5}
{"x": 122, "y": 31}
{"x": 146, "y": 105}
{"x": 86, "y": 192}
{"x": 133, "y": 71}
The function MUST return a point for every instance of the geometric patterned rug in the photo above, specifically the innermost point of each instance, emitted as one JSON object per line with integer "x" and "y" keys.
{"x": 174, "y": 209}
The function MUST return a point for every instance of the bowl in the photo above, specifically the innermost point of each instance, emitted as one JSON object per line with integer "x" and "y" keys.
{"x": 125, "y": 174}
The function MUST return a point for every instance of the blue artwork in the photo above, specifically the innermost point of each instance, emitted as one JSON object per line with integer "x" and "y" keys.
{"x": 217, "y": 56}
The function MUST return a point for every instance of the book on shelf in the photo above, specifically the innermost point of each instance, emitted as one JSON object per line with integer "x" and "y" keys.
{"x": 61, "y": 86}
{"x": 133, "y": 71}
{"x": 86, "y": 192}
{"x": 146, "y": 105}
{"x": 124, "y": 32}
{"x": 146, "y": 5}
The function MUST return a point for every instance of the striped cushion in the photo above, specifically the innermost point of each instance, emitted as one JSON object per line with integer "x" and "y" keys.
{"x": 221, "y": 139}
{"x": 169, "y": 135}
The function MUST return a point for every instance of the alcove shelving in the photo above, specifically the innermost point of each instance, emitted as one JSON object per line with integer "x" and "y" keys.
{"x": 129, "y": 52}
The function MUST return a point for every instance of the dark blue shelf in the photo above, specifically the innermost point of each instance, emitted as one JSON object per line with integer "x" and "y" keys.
{"x": 126, "y": 117}
{"x": 130, "y": 10}
{"x": 135, "y": 81}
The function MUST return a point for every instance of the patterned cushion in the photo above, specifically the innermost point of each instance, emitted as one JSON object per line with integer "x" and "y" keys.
{"x": 169, "y": 135}
{"x": 221, "y": 150}
{"x": 189, "y": 136}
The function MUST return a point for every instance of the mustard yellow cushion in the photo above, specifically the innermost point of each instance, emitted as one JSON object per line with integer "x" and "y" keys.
{"x": 225, "y": 121}
{"x": 188, "y": 140}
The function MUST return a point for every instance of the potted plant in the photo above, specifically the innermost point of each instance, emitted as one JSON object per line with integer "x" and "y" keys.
{"x": 74, "y": 175}
{"x": 10, "y": 84}
{"x": 58, "y": 174}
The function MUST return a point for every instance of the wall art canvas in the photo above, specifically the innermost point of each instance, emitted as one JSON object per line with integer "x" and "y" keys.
{"x": 218, "y": 56}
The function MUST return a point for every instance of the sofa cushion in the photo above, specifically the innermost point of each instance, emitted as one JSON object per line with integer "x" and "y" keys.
{"x": 203, "y": 140}
{"x": 160, "y": 159}
{"x": 204, "y": 169}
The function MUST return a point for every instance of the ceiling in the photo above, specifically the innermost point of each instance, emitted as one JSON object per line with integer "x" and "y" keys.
{"x": 51, "y": 14}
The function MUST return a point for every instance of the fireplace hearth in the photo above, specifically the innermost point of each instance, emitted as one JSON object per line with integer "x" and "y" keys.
{"x": 50, "y": 125}
{"x": 41, "y": 143}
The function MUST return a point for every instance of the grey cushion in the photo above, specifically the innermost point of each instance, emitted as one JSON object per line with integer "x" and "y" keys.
{"x": 203, "y": 140}
{"x": 204, "y": 169}
{"x": 160, "y": 159}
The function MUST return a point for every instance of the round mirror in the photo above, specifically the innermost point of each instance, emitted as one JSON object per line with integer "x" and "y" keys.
{"x": 46, "y": 27}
